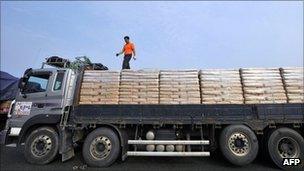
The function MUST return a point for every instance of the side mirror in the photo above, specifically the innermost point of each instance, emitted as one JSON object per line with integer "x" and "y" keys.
{"x": 21, "y": 83}
{"x": 23, "y": 80}
{"x": 28, "y": 71}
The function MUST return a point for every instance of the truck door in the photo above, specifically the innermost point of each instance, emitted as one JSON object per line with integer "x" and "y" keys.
{"x": 31, "y": 100}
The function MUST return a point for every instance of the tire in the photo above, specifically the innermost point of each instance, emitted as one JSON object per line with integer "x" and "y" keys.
{"x": 41, "y": 146}
{"x": 295, "y": 145}
{"x": 239, "y": 144}
{"x": 101, "y": 148}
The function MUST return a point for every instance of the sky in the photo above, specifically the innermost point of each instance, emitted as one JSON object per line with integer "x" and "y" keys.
{"x": 167, "y": 35}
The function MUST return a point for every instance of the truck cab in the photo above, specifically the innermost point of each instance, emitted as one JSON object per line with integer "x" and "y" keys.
{"x": 41, "y": 100}
{"x": 38, "y": 116}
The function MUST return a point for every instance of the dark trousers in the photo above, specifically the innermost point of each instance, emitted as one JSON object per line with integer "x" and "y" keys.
{"x": 125, "y": 64}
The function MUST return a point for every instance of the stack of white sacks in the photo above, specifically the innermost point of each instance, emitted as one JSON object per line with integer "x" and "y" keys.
{"x": 219, "y": 86}
{"x": 209, "y": 86}
{"x": 100, "y": 87}
{"x": 139, "y": 87}
{"x": 263, "y": 85}
{"x": 293, "y": 78}
{"x": 179, "y": 87}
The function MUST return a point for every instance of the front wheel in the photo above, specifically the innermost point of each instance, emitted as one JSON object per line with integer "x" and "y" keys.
{"x": 101, "y": 148}
{"x": 239, "y": 144}
{"x": 286, "y": 143}
{"x": 41, "y": 146}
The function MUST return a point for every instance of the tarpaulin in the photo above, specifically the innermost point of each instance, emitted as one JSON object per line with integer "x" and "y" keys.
{"x": 8, "y": 86}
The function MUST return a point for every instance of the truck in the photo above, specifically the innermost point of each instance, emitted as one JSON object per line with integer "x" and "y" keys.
{"x": 46, "y": 119}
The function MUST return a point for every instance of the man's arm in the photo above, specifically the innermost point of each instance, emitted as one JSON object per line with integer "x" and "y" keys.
{"x": 134, "y": 52}
{"x": 121, "y": 52}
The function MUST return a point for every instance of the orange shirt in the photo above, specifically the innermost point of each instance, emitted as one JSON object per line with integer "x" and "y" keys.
{"x": 128, "y": 48}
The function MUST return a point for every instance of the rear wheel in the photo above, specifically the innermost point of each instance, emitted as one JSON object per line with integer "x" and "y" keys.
{"x": 286, "y": 143}
{"x": 101, "y": 148}
{"x": 41, "y": 146}
{"x": 239, "y": 144}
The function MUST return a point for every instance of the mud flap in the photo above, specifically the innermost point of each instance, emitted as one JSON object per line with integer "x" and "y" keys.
{"x": 66, "y": 144}
{"x": 124, "y": 144}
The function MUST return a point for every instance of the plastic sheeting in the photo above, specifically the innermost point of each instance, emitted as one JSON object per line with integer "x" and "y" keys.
{"x": 8, "y": 86}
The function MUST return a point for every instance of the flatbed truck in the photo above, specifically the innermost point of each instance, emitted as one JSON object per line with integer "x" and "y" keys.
{"x": 48, "y": 120}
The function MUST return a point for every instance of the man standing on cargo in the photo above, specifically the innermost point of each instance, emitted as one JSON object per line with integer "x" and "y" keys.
{"x": 128, "y": 50}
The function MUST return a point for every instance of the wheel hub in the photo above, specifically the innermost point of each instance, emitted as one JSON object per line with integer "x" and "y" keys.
{"x": 288, "y": 148}
{"x": 238, "y": 143}
{"x": 41, "y": 145}
{"x": 100, "y": 147}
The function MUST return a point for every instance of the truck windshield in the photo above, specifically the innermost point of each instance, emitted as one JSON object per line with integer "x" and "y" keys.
{"x": 37, "y": 83}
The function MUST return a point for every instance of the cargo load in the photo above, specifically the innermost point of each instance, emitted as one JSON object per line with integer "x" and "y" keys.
{"x": 191, "y": 86}
{"x": 294, "y": 84}
{"x": 100, "y": 87}
{"x": 179, "y": 87}
{"x": 263, "y": 85}
{"x": 219, "y": 86}
{"x": 139, "y": 87}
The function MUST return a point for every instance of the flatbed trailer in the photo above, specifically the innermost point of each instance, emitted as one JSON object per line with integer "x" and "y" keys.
{"x": 257, "y": 116}
{"x": 201, "y": 121}
{"x": 52, "y": 121}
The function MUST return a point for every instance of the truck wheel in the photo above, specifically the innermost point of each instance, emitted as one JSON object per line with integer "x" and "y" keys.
{"x": 286, "y": 143}
{"x": 239, "y": 144}
{"x": 101, "y": 148}
{"x": 41, "y": 146}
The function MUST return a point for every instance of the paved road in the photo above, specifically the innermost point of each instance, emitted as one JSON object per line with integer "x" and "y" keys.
{"x": 11, "y": 159}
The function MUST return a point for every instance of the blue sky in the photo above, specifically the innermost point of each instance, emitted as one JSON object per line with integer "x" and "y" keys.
{"x": 167, "y": 35}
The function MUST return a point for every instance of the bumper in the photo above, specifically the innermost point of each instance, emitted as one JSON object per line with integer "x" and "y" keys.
{"x": 8, "y": 137}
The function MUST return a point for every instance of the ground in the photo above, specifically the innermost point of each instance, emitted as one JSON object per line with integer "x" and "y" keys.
{"x": 12, "y": 159}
